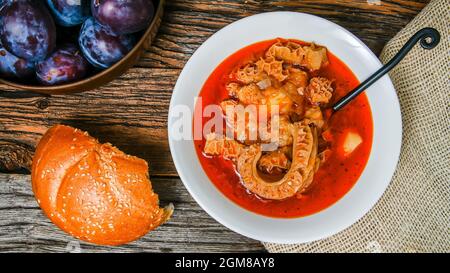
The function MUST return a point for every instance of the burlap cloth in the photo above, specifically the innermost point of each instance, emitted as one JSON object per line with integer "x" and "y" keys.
{"x": 414, "y": 213}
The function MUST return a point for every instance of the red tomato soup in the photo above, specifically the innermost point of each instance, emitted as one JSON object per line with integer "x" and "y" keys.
{"x": 335, "y": 177}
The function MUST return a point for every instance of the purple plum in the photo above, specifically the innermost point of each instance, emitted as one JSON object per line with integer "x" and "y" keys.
{"x": 101, "y": 47}
{"x": 27, "y": 29}
{"x": 12, "y": 67}
{"x": 69, "y": 13}
{"x": 122, "y": 16}
{"x": 65, "y": 65}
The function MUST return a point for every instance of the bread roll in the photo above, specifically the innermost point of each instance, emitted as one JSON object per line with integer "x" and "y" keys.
{"x": 94, "y": 191}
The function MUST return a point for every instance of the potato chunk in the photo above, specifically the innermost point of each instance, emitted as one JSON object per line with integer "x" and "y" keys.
{"x": 351, "y": 142}
{"x": 316, "y": 57}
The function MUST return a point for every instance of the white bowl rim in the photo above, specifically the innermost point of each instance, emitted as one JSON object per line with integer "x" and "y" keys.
{"x": 394, "y": 129}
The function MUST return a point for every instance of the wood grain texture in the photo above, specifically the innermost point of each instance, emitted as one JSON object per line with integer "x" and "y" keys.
{"x": 23, "y": 226}
{"x": 131, "y": 112}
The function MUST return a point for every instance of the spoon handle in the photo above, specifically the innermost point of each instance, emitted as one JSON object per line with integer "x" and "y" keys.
{"x": 428, "y": 37}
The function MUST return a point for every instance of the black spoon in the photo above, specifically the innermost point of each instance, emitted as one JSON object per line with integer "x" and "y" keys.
{"x": 428, "y": 37}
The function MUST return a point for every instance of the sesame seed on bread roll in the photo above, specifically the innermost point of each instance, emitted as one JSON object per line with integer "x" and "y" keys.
{"x": 94, "y": 191}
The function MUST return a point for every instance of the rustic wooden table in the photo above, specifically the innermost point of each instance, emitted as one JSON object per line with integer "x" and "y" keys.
{"x": 131, "y": 113}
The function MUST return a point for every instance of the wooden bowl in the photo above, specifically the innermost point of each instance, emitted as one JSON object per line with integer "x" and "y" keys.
{"x": 106, "y": 75}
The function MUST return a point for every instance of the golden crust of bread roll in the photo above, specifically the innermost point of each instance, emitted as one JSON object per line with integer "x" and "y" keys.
{"x": 94, "y": 191}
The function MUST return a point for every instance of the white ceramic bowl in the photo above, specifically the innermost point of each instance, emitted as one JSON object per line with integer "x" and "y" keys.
{"x": 385, "y": 111}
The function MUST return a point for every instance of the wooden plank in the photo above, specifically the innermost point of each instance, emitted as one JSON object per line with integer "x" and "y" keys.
{"x": 130, "y": 112}
{"x": 24, "y": 228}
